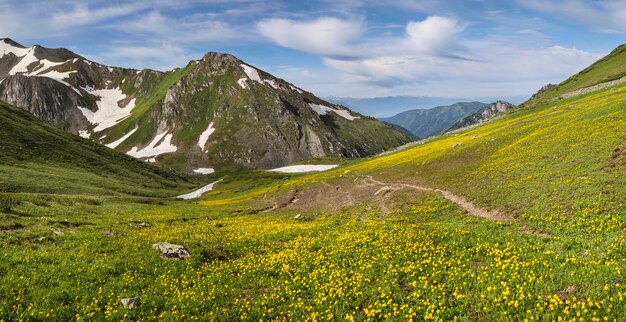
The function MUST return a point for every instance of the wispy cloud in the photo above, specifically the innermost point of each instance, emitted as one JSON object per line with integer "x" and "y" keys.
{"x": 607, "y": 16}
{"x": 82, "y": 14}
{"x": 326, "y": 36}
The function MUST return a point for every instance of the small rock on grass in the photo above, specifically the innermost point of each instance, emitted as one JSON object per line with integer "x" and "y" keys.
{"x": 130, "y": 302}
{"x": 57, "y": 233}
{"x": 298, "y": 216}
{"x": 171, "y": 250}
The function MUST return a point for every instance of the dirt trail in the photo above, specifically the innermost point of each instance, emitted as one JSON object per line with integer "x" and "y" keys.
{"x": 345, "y": 195}
{"x": 465, "y": 204}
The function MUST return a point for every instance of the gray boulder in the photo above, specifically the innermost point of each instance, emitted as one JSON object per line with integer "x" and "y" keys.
{"x": 171, "y": 250}
{"x": 130, "y": 302}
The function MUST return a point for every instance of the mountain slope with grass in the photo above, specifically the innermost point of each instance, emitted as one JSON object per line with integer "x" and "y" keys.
{"x": 520, "y": 218}
{"x": 216, "y": 112}
{"x": 612, "y": 67}
{"x": 428, "y": 122}
{"x": 38, "y": 158}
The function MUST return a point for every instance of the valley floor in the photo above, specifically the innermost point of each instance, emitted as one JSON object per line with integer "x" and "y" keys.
{"x": 389, "y": 251}
{"x": 519, "y": 219}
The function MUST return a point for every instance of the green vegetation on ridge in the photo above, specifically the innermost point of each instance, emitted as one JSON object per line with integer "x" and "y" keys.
{"x": 609, "y": 68}
{"x": 35, "y": 157}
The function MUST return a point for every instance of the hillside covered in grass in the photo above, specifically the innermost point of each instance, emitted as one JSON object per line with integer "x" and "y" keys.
{"x": 609, "y": 68}
{"x": 37, "y": 158}
{"x": 521, "y": 218}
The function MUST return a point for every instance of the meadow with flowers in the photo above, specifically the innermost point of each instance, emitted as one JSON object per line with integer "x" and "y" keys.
{"x": 555, "y": 169}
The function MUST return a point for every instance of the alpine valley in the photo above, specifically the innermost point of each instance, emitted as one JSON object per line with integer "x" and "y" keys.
{"x": 517, "y": 214}
{"x": 216, "y": 112}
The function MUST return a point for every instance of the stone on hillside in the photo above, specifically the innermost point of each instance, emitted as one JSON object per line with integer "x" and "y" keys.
{"x": 171, "y": 250}
{"x": 57, "y": 233}
{"x": 130, "y": 302}
{"x": 298, "y": 216}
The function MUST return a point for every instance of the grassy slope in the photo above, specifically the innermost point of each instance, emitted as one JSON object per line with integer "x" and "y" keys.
{"x": 551, "y": 166}
{"x": 36, "y": 157}
{"x": 611, "y": 67}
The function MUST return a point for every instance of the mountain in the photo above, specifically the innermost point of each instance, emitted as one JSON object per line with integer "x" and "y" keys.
{"x": 428, "y": 122}
{"x": 608, "y": 71}
{"x": 403, "y": 130}
{"x": 36, "y": 157}
{"x": 484, "y": 114}
{"x": 388, "y": 106}
{"x": 216, "y": 112}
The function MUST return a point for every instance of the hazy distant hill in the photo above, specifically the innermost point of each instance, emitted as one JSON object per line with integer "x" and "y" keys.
{"x": 427, "y": 122}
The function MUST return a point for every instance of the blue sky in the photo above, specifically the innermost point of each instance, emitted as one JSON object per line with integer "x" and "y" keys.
{"x": 347, "y": 48}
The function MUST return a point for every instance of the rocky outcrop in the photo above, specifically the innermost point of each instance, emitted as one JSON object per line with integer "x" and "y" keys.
{"x": 484, "y": 114}
{"x": 47, "y": 99}
{"x": 542, "y": 90}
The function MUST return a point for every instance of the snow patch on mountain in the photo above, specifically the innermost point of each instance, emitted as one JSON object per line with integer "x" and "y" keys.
{"x": 304, "y": 168}
{"x": 115, "y": 143}
{"x": 161, "y": 144}
{"x": 204, "y": 137}
{"x": 27, "y": 59}
{"x": 84, "y": 134}
{"x": 199, "y": 192}
{"x": 323, "y": 110}
{"x": 242, "y": 82}
{"x": 109, "y": 113}
{"x": 42, "y": 69}
{"x": 271, "y": 83}
{"x": 252, "y": 73}
{"x": 296, "y": 89}
{"x": 6, "y": 48}
{"x": 204, "y": 170}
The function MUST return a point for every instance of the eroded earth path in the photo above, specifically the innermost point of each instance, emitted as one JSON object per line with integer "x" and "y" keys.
{"x": 366, "y": 188}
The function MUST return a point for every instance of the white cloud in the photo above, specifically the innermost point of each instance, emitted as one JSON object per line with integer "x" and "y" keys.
{"x": 429, "y": 57}
{"x": 432, "y": 35}
{"x": 325, "y": 36}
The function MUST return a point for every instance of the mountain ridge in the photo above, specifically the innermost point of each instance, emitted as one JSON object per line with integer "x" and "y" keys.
{"x": 483, "y": 114}
{"x": 254, "y": 118}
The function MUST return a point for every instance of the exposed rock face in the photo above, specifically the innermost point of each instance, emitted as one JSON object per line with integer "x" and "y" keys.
{"x": 484, "y": 114}
{"x": 47, "y": 99}
{"x": 542, "y": 90}
{"x": 215, "y": 112}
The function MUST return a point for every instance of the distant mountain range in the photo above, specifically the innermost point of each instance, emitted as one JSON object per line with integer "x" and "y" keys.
{"x": 385, "y": 107}
{"x": 216, "y": 112}
{"x": 428, "y": 122}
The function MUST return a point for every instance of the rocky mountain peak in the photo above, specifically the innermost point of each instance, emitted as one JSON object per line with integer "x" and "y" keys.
{"x": 11, "y": 42}
{"x": 218, "y": 56}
